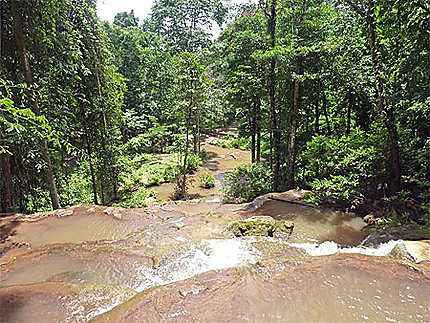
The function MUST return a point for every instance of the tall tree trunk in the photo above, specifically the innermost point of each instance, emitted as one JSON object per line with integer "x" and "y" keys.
{"x": 252, "y": 126}
{"x": 102, "y": 192}
{"x": 317, "y": 114}
{"x": 28, "y": 77}
{"x": 297, "y": 98}
{"x": 110, "y": 150}
{"x": 7, "y": 185}
{"x": 350, "y": 105}
{"x": 252, "y": 131}
{"x": 199, "y": 131}
{"x": 272, "y": 88}
{"x": 258, "y": 129}
{"x": 90, "y": 160}
{"x": 324, "y": 106}
{"x": 297, "y": 101}
{"x": 187, "y": 143}
{"x": 389, "y": 118}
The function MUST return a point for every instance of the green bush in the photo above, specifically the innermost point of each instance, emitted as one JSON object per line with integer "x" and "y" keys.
{"x": 162, "y": 173}
{"x": 247, "y": 182}
{"x": 207, "y": 180}
{"x": 77, "y": 188}
{"x": 234, "y": 142}
{"x": 194, "y": 161}
{"x": 137, "y": 198}
{"x": 343, "y": 170}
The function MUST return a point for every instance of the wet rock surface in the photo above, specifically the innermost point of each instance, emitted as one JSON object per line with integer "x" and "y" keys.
{"x": 398, "y": 232}
{"x": 177, "y": 262}
{"x": 412, "y": 251}
{"x": 336, "y": 289}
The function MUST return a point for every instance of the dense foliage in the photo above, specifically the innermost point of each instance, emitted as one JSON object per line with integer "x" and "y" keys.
{"x": 331, "y": 96}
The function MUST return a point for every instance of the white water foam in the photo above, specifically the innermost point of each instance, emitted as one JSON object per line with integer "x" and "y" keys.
{"x": 331, "y": 248}
{"x": 212, "y": 254}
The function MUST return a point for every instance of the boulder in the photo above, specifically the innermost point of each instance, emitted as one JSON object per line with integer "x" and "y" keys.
{"x": 262, "y": 226}
{"x": 412, "y": 251}
{"x": 409, "y": 232}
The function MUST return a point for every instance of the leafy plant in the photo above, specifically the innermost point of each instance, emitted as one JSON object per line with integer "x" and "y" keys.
{"x": 343, "y": 170}
{"x": 138, "y": 198}
{"x": 194, "y": 161}
{"x": 207, "y": 180}
{"x": 248, "y": 181}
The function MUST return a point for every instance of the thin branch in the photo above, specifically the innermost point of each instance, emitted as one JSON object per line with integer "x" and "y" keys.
{"x": 264, "y": 5}
{"x": 356, "y": 9}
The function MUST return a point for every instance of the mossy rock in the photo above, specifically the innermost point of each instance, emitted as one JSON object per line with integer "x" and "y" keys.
{"x": 262, "y": 226}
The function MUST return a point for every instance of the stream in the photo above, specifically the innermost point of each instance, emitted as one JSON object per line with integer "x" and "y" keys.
{"x": 177, "y": 262}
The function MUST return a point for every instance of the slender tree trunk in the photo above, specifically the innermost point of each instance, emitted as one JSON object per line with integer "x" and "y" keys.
{"x": 102, "y": 191}
{"x": 291, "y": 157}
{"x": 324, "y": 106}
{"x": 187, "y": 143}
{"x": 271, "y": 149}
{"x": 252, "y": 124}
{"x": 317, "y": 114}
{"x": 199, "y": 131}
{"x": 297, "y": 102}
{"x": 258, "y": 129}
{"x": 90, "y": 161}
{"x": 389, "y": 118}
{"x": 350, "y": 105}
{"x": 7, "y": 185}
{"x": 107, "y": 135}
{"x": 272, "y": 88}
{"x": 28, "y": 77}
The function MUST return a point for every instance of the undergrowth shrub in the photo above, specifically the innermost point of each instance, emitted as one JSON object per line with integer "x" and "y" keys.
{"x": 344, "y": 170}
{"x": 194, "y": 161}
{"x": 231, "y": 141}
{"x": 137, "y": 199}
{"x": 207, "y": 180}
{"x": 248, "y": 181}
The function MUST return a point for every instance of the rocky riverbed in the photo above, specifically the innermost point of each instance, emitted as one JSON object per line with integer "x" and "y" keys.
{"x": 184, "y": 262}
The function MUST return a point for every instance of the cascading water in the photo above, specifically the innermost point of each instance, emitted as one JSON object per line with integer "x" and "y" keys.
{"x": 331, "y": 248}
{"x": 179, "y": 263}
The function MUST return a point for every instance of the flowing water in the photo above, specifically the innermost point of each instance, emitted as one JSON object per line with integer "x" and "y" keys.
{"x": 317, "y": 225}
{"x": 178, "y": 263}
{"x": 75, "y": 229}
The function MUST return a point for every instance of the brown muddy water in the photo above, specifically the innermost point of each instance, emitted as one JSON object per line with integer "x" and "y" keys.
{"x": 178, "y": 263}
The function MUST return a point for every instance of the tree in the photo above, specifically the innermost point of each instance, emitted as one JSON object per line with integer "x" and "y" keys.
{"x": 125, "y": 19}
{"x": 297, "y": 101}
{"x": 188, "y": 92}
{"x": 186, "y": 24}
{"x": 270, "y": 8}
{"x": 28, "y": 77}
{"x": 370, "y": 13}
